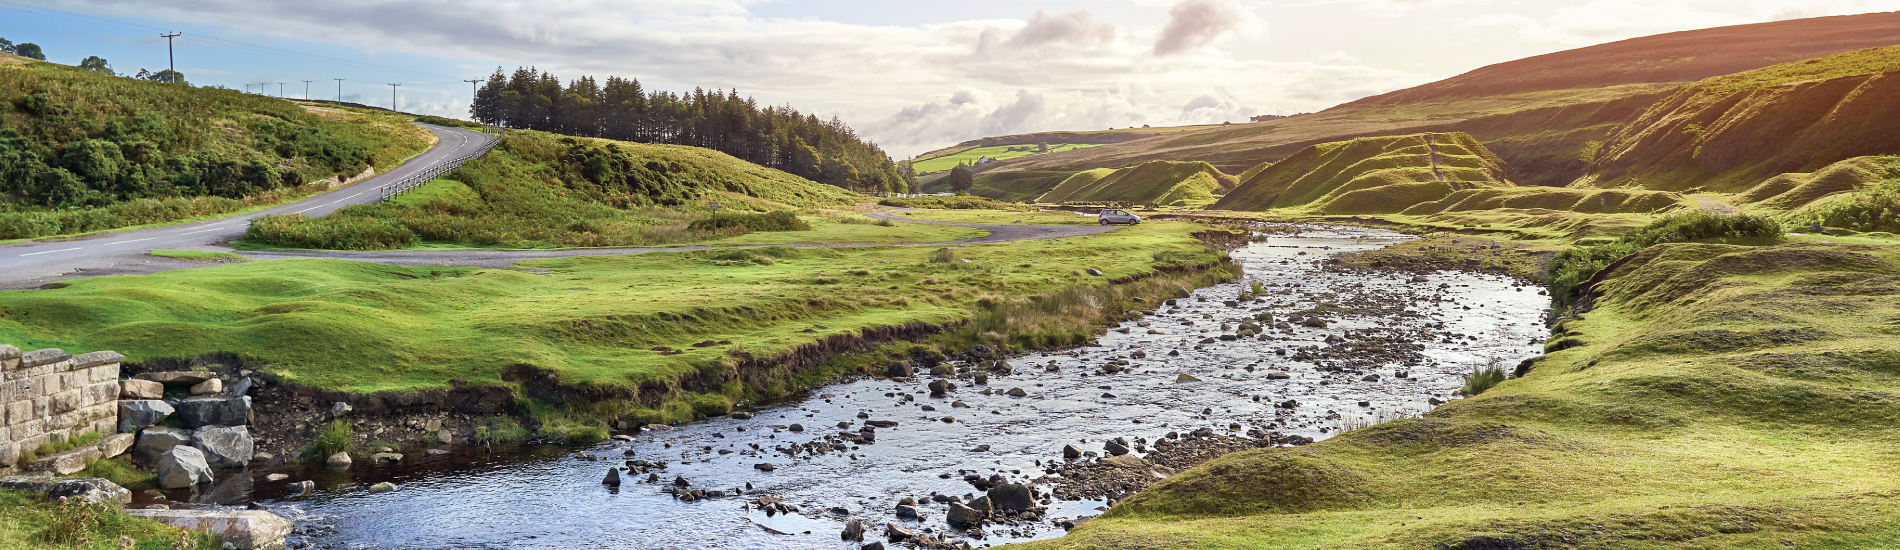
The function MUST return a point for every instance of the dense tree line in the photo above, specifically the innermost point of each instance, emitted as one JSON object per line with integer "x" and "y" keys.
{"x": 826, "y": 151}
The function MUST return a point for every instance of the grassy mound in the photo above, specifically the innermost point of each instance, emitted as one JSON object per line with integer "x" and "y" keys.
{"x": 950, "y": 203}
{"x": 938, "y": 161}
{"x": 1728, "y": 133}
{"x": 539, "y": 190}
{"x": 81, "y": 151}
{"x": 1794, "y": 191}
{"x": 1583, "y": 201}
{"x": 1153, "y": 182}
{"x": 1719, "y": 396}
{"x": 1372, "y": 175}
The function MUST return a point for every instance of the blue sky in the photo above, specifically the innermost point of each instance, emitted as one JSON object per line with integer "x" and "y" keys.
{"x": 914, "y": 75}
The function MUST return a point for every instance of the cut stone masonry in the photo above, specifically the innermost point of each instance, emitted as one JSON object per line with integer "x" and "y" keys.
{"x": 50, "y": 396}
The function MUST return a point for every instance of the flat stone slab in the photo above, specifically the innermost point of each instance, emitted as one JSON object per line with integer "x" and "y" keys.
{"x": 91, "y": 490}
{"x": 66, "y": 463}
{"x": 178, "y": 377}
{"x": 244, "y": 529}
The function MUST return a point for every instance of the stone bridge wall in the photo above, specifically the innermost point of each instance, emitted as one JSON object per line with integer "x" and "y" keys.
{"x": 49, "y": 396}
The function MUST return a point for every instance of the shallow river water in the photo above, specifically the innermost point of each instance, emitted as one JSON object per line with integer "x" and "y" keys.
{"x": 1435, "y": 330}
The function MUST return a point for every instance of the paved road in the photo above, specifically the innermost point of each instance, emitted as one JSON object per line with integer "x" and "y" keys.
{"x": 29, "y": 264}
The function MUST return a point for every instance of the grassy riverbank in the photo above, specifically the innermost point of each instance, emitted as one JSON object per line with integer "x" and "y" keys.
{"x": 608, "y": 321}
{"x": 29, "y": 522}
{"x": 1718, "y": 396}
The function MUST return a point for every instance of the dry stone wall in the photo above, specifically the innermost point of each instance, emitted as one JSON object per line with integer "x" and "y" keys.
{"x": 50, "y": 396}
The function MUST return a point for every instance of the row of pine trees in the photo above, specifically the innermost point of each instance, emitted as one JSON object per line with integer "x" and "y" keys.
{"x": 826, "y": 151}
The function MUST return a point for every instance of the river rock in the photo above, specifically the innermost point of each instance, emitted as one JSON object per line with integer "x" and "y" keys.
{"x": 1010, "y": 497}
{"x": 1070, "y": 451}
{"x": 982, "y": 506}
{"x": 980, "y": 378}
{"x": 963, "y": 517}
{"x": 853, "y": 531}
{"x": 1016, "y": 392}
{"x": 89, "y": 490}
{"x": 1185, "y": 377}
{"x": 136, "y": 414}
{"x": 209, "y": 387}
{"x": 276, "y": 477}
{"x": 764, "y": 467}
{"x": 942, "y": 370}
{"x": 214, "y": 411}
{"x": 1095, "y": 272}
{"x": 340, "y": 408}
{"x": 900, "y": 369}
{"x": 141, "y": 389}
{"x": 242, "y": 387}
{"x": 338, "y": 461}
{"x": 1278, "y": 376}
{"x": 239, "y": 529}
{"x": 874, "y": 545}
{"x": 182, "y": 378}
{"x": 939, "y": 387}
{"x": 906, "y": 511}
{"x": 612, "y": 479}
{"x": 897, "y": 533}
{"x": 225, "y": 446}
{"x": 384, "y": 487}
{"x": 386, "y": 458}
{"x": 182, "y": 467}
{"x": 304, "y": 486}
{"x": 1114, "y": 449}
{"x": 156, "y": 440}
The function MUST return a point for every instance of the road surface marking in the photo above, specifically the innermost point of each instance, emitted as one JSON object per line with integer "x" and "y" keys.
{"x": 131, "y": 241}
{"x": 50, "y": 252}
{"x": 309, "y": 209}
{"x": 206, "y": 230}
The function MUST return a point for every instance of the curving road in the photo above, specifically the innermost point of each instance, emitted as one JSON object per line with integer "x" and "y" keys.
{"x": 29, "y": 264}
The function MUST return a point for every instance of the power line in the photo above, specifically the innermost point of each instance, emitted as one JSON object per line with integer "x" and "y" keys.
{"x": 171, "y": 59}
{"x": 392, "y": 95}
{"x": 339, "y": 90}
{"x": 306, "y": 88}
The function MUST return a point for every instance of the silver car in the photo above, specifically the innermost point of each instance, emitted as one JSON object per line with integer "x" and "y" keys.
{"x": 1111, "y": 215}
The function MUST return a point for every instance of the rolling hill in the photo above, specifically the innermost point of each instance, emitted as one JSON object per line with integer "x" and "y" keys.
{"x": 1153, "y": 182}
{"x": 1539, "y": 113}
{"x": 1373, "y": 175}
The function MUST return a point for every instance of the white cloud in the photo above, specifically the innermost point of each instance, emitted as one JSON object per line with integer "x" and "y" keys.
{"x": 1198, "y": 23}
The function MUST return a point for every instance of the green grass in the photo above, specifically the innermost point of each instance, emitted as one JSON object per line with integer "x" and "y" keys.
{"x": 28, "y": 522}
{"x": 122, "y": 471}
{"x": 951, "y": 203}
{"x": 335, "y": 438}
{"x": 1003, "y": 217}
{"x": 1153, "y": 182}
{"x": 1858, "y": 62}
{"x": 199, "y": 255}
{"x": 950, "y": 159}
{"x": 1723, "y": 396}
{"x": 592, "y": 320}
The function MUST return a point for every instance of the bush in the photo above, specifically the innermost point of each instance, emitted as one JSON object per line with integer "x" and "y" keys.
{"x": 335, "y": 438}
{"x": 780, "y": 220}
{"x": 337, "y": 231}
{"x": 961, "y": 202}
{"x": 1876, "y": 209}
{"x": 1575, "y": 265}
{"x": 1482, "y": 379}
{"x": 450, "y": 122}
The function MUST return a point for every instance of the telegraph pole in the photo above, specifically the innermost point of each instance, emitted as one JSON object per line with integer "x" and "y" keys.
{"x": 306, "y": 88}
{"x": 171, "y": 59}
{"x": 339, "y": 90}
{"x": 280, "y": 90}
{"x": 392, "y": 95}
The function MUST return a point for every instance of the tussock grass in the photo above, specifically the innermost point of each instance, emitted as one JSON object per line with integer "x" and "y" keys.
{"x": 1574, "y": 266}
{"x": 28, "y": 522}
{"x": 335, "y": 438}
{"x": 1481, "y": 379}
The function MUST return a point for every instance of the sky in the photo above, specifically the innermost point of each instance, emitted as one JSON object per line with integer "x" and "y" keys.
{"x": 912, "y": 75}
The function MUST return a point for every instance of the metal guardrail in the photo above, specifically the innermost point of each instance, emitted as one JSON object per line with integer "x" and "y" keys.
{"x": 415, "y": 180}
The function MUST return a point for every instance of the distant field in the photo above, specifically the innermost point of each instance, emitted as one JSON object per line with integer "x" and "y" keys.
{"x": 1000, "y": 152}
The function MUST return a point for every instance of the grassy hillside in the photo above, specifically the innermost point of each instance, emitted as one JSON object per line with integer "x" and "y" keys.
{"x": 939, "y": 161}
{"x": 1719, "y": 396}
{"x": 1154, "y": 182}
{"x": 1372, "y": 175}
{"x": 1796, "y": 190}
{"x": 1728, "y": 133}
{"x": 1540, "y": 114}
{"x": 542, "y": 190}
{"x": 81, "y": 151}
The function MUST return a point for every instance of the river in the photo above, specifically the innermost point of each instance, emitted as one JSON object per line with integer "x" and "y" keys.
{"x": 1434, "y": 330}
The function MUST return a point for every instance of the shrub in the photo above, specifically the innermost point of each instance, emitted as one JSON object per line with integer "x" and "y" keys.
{"x": 959, "y": 202}
{"x": 335, "y": 438}
{"x": 1876, "y": 209}
{"x": 499, "y": 429}
{"x": 861, "y": 220}
{"x": 1575, "y": 265}
{"x": 780, "y": 220}
{"x": 1482, "y": 379}
{"x": 338, "y": 231}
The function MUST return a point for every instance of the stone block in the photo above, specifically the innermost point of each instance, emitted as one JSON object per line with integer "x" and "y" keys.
{"x": 65, "y": 463}
{"x": 225, "y": 446}
{"x": 137, "y": 414}
{"x": 9, "y": 352}
{"x": 103, "y": 373}
{"x": 73, "y": 380}
{"x": 115, "y": 445}
{"x": 43, "y": 356}
{"x": 154, "y": 441}
{"x": 98, "y": 358}
{"x": 243, "y": 529}
{"x": 209, "y": 387}
{"x": 214, "y": 411}
{"x": 20, "y": 389}
{"x": 18, "y": 412}
{"x": 141, "y": 389}
{"x": 9, "y": 453}
{"x": 102, "y": 392}
{"x": 42, "y": 407}
{"x": 182, "y": 378}
{"x": 106, "y": 425}
{"x": 37, "y": 372}
{"x": 29, "y": 428}
{"x": 90, "y": 490}
{"x": 67, "y": 401}
{"x": 33, "y": 443}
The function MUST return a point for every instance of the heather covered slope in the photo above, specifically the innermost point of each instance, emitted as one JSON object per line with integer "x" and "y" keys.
{"x": 1373, "y": 175}
{"x": 1540, "y": 114}
{"x": 1154, "y": 182}
{"x": 1719, "y": 396}
{"x": 1728, "y": 133}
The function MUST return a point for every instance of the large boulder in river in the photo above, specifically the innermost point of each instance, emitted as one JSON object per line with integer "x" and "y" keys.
{"x": 136, "y": 414}
{"x": 1114, "y": 448}
{"x": 939, "y": 387}
{"x": 214, "y": 411}
{"x": 225, "y": 446}
{"x": 156, "y": 440}
{"x": 1070, "y": 451}
{"x": 899, "y": 369}
{"x": 1010, "y": 497}
{"x": 339, "y": 461}
{"x": 964, "y": 517}
{"x": 182, "y": 467}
